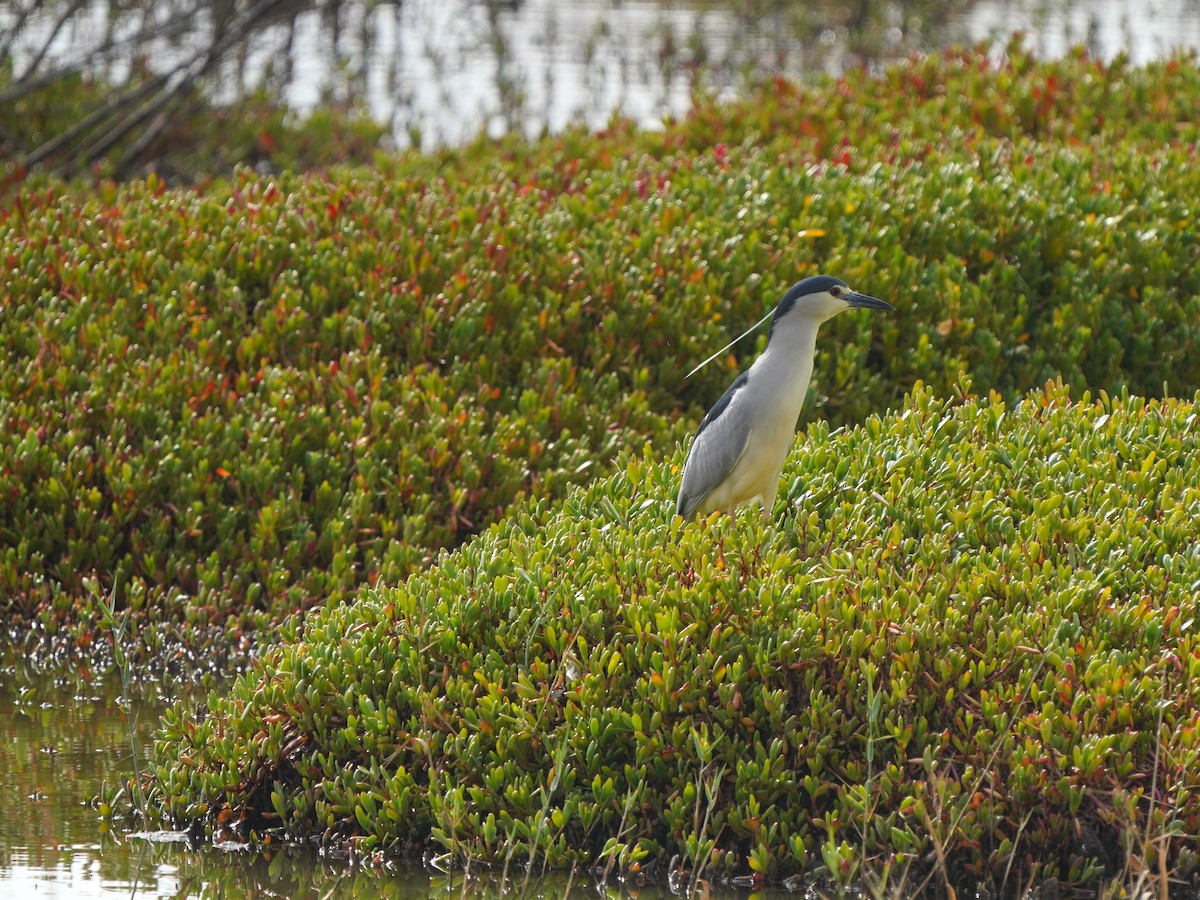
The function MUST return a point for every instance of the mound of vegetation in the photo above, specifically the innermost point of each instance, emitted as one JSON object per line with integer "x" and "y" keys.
{"x": 965, "y": 649}
{"x": 224, "y": 405}
{"x": 913, "y": 112}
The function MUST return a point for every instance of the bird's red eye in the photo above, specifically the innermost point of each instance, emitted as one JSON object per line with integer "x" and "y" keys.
{"x": 836, "y": 291}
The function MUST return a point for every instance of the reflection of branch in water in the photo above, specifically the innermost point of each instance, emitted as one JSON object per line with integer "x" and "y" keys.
{"x": 402, "y": 94}
{"x": 508, "y": 75}
{"x": 83, "y": 126}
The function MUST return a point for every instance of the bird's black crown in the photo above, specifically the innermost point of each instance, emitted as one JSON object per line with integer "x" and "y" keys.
{"x": 814, "y": 284}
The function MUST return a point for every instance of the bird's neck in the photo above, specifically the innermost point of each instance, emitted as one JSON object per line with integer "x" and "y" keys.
{"x": 786, "y": 366}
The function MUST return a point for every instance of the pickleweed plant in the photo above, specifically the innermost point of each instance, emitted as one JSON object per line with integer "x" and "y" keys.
{"x": 944, "y": 659}
{"x": 263, "y": 394}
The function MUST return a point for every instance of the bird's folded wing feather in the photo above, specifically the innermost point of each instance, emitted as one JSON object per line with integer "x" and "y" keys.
{"x": 719, "y": 444}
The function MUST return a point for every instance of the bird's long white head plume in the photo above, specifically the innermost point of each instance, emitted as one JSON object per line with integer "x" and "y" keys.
{"x": 730, "y": 344}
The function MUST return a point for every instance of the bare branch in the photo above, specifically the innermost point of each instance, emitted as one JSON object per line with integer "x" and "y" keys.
{"x": 110, "y": 107}
{"x": 230, "y": 32}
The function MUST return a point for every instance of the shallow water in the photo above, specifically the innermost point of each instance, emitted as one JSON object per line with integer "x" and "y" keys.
{"x": 62, "y": 743}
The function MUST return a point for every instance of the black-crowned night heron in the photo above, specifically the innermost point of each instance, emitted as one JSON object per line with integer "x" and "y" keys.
{"x": 741, "y": 445}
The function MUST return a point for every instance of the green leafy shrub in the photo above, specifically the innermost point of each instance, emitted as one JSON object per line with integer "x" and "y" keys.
{"x": 239, "y": 401}
{"x": 956, "y": 97}
{"x": 251, "y": 402}
{"x": 915, "y": 111}
{"x": 969, "y": 629}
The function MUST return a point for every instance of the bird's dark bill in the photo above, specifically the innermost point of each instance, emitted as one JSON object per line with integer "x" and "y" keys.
{"x": 857, "y": 299}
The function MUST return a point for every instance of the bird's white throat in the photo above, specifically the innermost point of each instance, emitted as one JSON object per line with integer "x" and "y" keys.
{"x": 785, "y": 367}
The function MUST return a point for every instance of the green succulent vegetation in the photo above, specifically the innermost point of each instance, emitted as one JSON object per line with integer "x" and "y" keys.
{"x": 238, "y": 401}
{"x": 962, "y": 651}
{"x": 915, "y": 112}
{"x": 971, "y": 632}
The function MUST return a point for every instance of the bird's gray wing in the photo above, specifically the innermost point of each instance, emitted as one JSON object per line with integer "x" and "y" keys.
{"x": 719, "y": 443}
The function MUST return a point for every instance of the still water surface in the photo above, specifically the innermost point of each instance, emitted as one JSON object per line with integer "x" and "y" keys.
{"x": 441, "y": 71}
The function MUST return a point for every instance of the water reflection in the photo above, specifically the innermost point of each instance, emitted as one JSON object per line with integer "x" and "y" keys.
{"x": 440, "y": 71}
{"x": 63, "y": 744}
